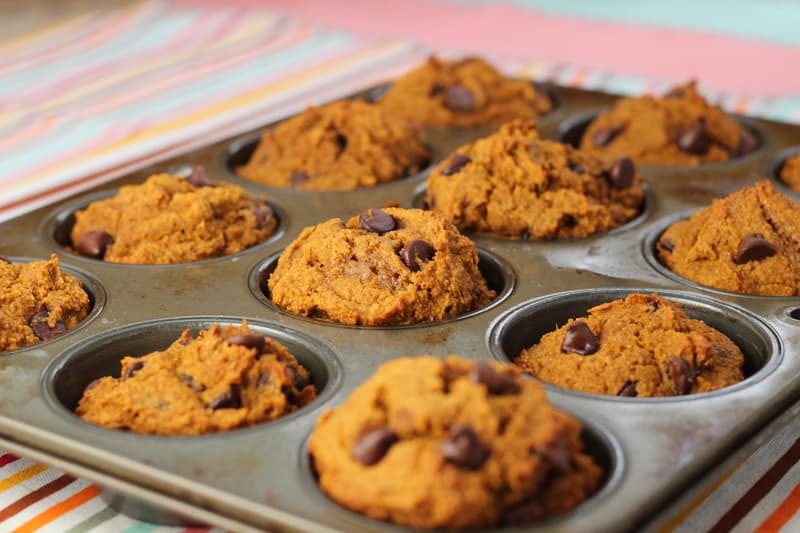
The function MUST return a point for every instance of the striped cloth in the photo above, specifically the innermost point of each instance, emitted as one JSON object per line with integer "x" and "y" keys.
{"x": 101, "y": 93}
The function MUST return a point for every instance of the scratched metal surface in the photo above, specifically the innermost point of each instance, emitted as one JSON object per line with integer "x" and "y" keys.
{"x": 260, "y": 476}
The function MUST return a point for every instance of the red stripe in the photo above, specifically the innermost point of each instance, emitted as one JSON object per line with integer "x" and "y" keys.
{"x": 7, "y": 458}
{"x": 32, "y": 497}
{"x": 757, "y": 492}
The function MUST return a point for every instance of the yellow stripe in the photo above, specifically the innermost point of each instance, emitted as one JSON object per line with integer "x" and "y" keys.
{"x": 283, "y": 86}
{"x": 21, "y": 476}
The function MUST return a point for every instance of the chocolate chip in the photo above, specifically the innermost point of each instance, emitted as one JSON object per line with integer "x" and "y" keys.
{"x": 416, "y": 252}
{"x": 681, "y": 373}
{"x": 628, "y": 390}
{"x": 377, "y": 221}
{"x": 694, "y": 138}
{"x": 263, "y": 213}
{"x": 459, "y": 98}
{"x": 603, "y": 136}
{"x": 133, "y": 369}
{"x": 341, "y": 141}
{"x": 298, "y": 177}
{"x": 370, "y": 447}
{"x": 666, "y": 244}
{"x": 620, "y": 172}
{"x": 463, "y": 448}
{"x": 299, "y": 380}
{"x": 435, "y": 89}
{"x": 753, "y": 247}
{"x": 230, "y": 399}
{"x": 189, "y": 380}
{"x": 198, "y": 178}
{"x": 577, "y": 168}
{"x": 524, "y": 513}
{"x": 455, "y": 164}
{"x": 579, "y": 339}
{"x": 94, "y": 244}
{"x": 256, "y": 342}
{"x": 747, "y": 143}
{"x": 496, "y": 382}
{"x": 92, "y": 384}
{"x": 42, "y": 329}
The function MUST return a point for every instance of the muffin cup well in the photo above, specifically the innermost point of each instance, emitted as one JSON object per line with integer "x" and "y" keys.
{"x": 65, "y": 378}
{"x": 774, "y": 167}
{"x": 499, "y": 276}
{"x": 58, "y": 225}
{"x": 650, "y": 242}
{"x": 599, "y": 443}
{"x": 525, "y": 325}
{"x": 571, "y": 131}
{"x": 94, "y": 290}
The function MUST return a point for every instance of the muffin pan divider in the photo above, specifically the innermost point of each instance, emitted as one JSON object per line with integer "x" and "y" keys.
{"x": 260, "y": 477}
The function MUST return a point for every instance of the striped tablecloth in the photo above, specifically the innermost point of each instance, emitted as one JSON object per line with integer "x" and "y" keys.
{"x": 97, "y": 94}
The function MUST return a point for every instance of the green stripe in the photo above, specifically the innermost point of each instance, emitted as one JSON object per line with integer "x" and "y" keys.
{"x": 93, "y": 521}
{"x": 772, "y": 21}
{"x": 141, "y": 527}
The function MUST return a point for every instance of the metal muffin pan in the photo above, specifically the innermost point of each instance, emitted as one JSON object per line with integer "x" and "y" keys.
{"x": 260, "y": 477}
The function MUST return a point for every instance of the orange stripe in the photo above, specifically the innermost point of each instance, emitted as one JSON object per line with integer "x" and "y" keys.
{"x": 782, "y": 514}
{"x": 60, "y": 509}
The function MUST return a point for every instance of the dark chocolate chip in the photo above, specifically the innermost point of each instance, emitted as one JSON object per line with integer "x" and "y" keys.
{"x": 298, "y": 177}
{"x": 753, "y": 247}
{"x": 568, "y": 221}
{"x": 4, "y": 259}
{"x": 189, "y": 380}
{"x": 377, "y": 221}
{"x": 92, "y": 384}
{"x": 416, "y": 252}
{"x": 256, "y": 342}
{"x": 94, "y": 244}
{"x": 747, "y": 143}
{"x": 579, "y": 339}
{"x": 666, "y": 244}
{"x": 628, "y": 390}
{"x": 463, "y": 447}
{"x": 198, "y": 178}
{"x": 455, "y": 164}
{"x": 42, "y": 329}
{"x": 263, "y": 213}
{"x": 694, "y": 138}
{"x": 681, "y": 373}
{"x": 620, "y": 172}
{"x": 524, "y": 513}
{"x": 133, "y": 369}
{"x": 496, "y": 382}
{"x": 341, "y": 141}
{"x": 370, "y": 447}
{"x": 459, "y": 98}
{"x": 603, "y": 136}
{"x": 299, "y": 380}
{"x": 577, "y": 168}
{"x": 230, "y": 399}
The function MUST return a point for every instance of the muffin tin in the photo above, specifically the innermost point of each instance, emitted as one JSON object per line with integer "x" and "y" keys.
{"x": 260, "y": 478}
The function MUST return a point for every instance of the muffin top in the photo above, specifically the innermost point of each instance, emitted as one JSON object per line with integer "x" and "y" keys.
{"x": 790, "y": 172}
{"x": 387, "y": 266}
{"x": 38, "y": 302}
{"x": 746, "y": 243}
{"x": 223, "y": 379}
{"x": 679, "y": 129}
{"x": 642, "y": 346}
{"x": 464, "y": 93}
{"x": 515, "y": 184}
{"x": 169, "y": 219}
{"x": 451, "y": 444}
{"x": 342, "y": 145}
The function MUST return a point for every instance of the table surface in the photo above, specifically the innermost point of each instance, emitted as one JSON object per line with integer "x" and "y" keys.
{"x": 92, "y": 89}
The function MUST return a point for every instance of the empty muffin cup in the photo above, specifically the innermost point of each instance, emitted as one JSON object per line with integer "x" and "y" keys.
{"x": 524, "y": 326}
